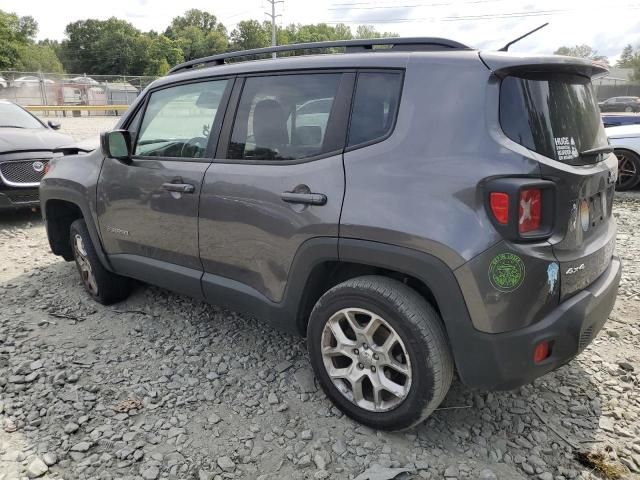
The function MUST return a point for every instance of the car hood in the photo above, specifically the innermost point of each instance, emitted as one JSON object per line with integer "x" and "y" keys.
{"x": 623, "y": 131}
{"x": 31, "y": 139}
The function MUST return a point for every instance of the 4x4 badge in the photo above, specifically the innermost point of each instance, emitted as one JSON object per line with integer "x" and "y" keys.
{"x": 506, "y": 272}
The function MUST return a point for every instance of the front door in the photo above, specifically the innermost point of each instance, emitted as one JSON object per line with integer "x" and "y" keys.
{"x": 279, "y": 183}
{"x": 148, "y": 208}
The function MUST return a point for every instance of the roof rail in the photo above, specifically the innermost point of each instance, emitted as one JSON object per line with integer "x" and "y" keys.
{"x": 350, "y": 46}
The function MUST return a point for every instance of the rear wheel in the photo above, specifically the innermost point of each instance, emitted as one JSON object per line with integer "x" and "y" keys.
{"x": 103, "y": 286}
{"x": 380, "y": 352}
{"x": 628, "y": 170}
{"x": 628, "y": 109}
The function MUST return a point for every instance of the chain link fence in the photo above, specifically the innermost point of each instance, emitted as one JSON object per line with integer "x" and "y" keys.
{"x": 46, "y": 89}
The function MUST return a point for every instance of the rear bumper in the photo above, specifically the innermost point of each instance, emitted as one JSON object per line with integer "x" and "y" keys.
{"x": 505, "y": 360}
{"x": 19, "y": 198}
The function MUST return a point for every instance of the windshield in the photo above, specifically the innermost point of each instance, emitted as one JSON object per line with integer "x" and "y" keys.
{"x": 13, "y": 116}
{"x": 556, "y": 115}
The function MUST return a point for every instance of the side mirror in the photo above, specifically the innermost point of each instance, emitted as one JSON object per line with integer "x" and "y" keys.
{"x": 116, "y": 144}
{"x": 53, "y": 125}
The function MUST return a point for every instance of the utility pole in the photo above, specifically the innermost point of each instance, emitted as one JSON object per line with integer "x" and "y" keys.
{"x": 273, "y": 17}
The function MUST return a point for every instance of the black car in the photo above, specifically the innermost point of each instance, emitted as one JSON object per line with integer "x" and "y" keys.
{"x": 26, "y": 146}
{"x": 620, "y": 104}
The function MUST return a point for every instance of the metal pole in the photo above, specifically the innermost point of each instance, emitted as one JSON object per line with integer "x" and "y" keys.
{"x": 273, "y": 26}
{"x": 273, "y": 17}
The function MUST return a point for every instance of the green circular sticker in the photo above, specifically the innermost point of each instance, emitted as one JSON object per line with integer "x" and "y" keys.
{"x": 506, "y": 272}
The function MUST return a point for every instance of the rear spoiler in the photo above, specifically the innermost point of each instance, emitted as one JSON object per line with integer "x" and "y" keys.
{"x": 503, "y": 64}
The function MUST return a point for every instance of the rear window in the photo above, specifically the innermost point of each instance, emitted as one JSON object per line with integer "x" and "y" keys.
{"x": 556, "y": 115}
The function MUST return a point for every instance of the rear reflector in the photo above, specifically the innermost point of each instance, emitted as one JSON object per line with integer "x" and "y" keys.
{"x": 530, "y": 210}
{"x": 499, "y": 202}
{"x": 541, "y": 352}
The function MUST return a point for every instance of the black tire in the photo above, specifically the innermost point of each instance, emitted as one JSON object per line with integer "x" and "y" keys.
{"x": 108, "y": 287}
{"x": 628, "y": 170}
{"x": 628, "y": 109}
{"x": 418, "y": 326}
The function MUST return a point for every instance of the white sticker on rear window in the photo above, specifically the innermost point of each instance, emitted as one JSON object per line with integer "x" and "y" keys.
{"x": 566, "y": 148}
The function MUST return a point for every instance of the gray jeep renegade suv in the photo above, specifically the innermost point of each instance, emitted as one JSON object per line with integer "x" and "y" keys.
{"x": 412, "y": 210}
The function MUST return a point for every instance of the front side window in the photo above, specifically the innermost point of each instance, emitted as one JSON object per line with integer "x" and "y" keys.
{"x": 178, "y": 120}
{"x": 374, "y": 107}
{"x": 284, "y": 117}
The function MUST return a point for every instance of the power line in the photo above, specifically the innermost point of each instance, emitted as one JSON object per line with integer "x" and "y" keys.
{"x": 497, "y": 16}
{"x": 354, "y": 6}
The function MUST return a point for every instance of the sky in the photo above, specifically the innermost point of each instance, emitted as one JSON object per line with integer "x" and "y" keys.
{"x": 606, "y": 25}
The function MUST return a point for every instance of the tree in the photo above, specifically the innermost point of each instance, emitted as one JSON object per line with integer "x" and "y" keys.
{"x": 38, "y": 58}
{"x": 199, "y": 19}
{"x": 582, "y": 51}
{"x": 627, "y": 58}
{"x": 198, "y": 33}
{"x": 250, "y": 34}
{"x": 15, "y": 34}
{"x": 18, "y": 50}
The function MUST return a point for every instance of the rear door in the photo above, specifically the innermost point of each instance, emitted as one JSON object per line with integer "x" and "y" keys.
{"x": 148, "y": 213}
{"x": 277, "y": 181}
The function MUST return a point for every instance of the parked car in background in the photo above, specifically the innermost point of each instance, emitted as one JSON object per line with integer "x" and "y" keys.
{"x": 3, "y": 83}
{"x": 338, "y": 198}
{"x": 625, "y": 140}
{"x": 617, "y": 119}
{"x": 30, "y": 80}
{"x": 620, "y": 104}
{"x": 84, "y": 80}
{"x": 26, "y": 146}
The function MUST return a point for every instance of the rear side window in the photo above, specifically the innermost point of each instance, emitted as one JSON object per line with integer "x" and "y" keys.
{"x": 374, "y": 107}
{"x": 556, "y": 115}
{"x": 284, "y": 117}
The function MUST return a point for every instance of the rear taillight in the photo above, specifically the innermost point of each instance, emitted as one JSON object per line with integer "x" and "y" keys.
{"x": 529, "y": 210}
{"x": 521, "y": 209}
{"x": 499, "y": 202}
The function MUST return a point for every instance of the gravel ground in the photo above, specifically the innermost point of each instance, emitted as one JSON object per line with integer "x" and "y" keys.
{"x": 163, "y": 386}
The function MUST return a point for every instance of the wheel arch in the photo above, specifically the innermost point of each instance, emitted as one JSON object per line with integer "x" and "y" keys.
{"x": 429, "y": 276}
{"x": 59, "y": 211}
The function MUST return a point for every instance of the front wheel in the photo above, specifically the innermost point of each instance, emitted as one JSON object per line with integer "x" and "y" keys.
{"x": 104, "y": 286}
{"x": 380, "y": 352}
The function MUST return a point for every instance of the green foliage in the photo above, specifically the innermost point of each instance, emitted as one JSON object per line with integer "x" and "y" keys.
{"x": 38, "y": 58}
{"x": 116, "y": 47}
{"x": 582, "y": 51}
{"x": 16, "y": 33}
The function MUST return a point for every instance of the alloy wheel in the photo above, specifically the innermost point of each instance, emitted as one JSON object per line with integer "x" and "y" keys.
{"x": 627, "y": 171}
{"x": 366, "y": 359}
{"x": 82, "y": 260}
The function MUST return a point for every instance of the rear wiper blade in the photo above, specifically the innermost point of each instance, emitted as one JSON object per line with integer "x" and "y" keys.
{"x": 11, "y": 126}
{"x": 597, "y": 151}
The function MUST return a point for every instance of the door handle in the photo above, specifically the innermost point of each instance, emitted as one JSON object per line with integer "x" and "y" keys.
{"x": 305, "y": 198}
{"x": 179, "y": 187}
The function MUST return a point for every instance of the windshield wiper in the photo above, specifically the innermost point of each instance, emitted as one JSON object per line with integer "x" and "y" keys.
{"x": 11, "y": 126}
{"x": 597, "y": 151}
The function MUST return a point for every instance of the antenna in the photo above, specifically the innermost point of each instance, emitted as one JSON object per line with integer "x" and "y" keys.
{"x": 506, "y": 47}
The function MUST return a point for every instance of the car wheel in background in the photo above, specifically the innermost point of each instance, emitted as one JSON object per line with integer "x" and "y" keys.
{"x": 380, "y": 352}
{"x": 103, "y": 286}
{"x": 628, "y": 109}
{"x": 628, "y": 170}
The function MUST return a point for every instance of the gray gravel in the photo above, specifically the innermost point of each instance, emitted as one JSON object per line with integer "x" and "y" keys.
{"x": 163, "y": 386}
